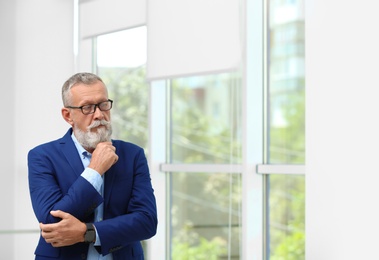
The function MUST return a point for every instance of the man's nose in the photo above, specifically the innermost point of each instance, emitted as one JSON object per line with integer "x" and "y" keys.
{"x": 98, "y": 113}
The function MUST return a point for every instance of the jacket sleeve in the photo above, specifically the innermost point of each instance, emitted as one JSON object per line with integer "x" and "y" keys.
{"x": 53, "y": 186}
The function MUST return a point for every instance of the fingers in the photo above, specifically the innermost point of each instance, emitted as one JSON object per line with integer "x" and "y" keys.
{"x": 112, "y": 149}
{"x": 56, "y": 233}
{"x": 47, "y": 232}
{"x": 56, "y": 213}
{"x": 115, "y": 159}
{"x": 46, "y": 228}
{"x": 106, "y": 145}
{"x": 51, "y": 238}
{"x": 66, "y": 232}
{"x": 103, "y": 157}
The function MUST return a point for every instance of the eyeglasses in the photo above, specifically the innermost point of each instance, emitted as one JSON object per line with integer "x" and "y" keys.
{"x": 90, "y": 109}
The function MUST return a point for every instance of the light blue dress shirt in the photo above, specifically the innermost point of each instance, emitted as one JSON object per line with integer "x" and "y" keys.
{"x": 97, "y": 181}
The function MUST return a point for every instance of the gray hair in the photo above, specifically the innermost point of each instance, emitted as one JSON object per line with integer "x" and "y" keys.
{"x": 79, "y": 78}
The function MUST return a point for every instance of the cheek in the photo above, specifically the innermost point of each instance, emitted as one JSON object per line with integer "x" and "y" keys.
{"x": 107, "y": 116}
{"x": 82, "y": 123}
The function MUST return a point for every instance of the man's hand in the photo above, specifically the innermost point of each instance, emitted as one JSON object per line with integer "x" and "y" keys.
{"x": 66, "y": 232}
{"x": 103, "y": 157}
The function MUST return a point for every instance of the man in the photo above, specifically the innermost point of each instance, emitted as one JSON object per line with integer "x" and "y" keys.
{"x": 91, "y": 195}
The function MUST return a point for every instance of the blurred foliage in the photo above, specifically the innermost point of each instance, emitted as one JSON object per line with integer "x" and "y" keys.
{"x": 198, "y": 135}
{"x": 206, "y": 129}
{"x": 189, "y": 245}
{"x": 287, "y": 142}
{"x": 205, "y": 250}
{"x": 287, "y": 192}
{"x": 291, "y": 248}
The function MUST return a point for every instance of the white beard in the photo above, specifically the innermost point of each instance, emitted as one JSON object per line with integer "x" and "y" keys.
{"x": 89, "y": 140}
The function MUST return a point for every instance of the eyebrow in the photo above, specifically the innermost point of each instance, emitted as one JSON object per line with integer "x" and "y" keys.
{"x": 87, "y": 102}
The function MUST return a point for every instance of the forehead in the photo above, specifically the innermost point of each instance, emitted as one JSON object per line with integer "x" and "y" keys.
{"x": 95, "y": 92}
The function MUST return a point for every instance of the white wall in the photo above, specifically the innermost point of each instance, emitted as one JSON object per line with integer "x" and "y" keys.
{"x": 36, "y": 58}
{"x": 7, "y": 151}
{"x": 342, "y": 130}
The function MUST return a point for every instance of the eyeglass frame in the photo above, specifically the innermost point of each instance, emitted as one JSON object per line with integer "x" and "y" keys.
{"x": 94, "y": 107}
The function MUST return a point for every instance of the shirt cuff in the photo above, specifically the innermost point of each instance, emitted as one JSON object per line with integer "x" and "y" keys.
{"x": 93, "y": 177}
{"x": 97, "y": 242}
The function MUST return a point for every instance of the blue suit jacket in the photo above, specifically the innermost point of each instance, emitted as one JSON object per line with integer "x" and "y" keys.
{"x": 129, "y": 203}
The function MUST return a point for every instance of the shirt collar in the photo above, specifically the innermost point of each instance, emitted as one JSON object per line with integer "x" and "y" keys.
{"x": 81, "y": 151}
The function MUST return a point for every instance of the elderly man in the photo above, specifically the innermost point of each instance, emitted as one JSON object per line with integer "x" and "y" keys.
{"x": 91, "y": 195}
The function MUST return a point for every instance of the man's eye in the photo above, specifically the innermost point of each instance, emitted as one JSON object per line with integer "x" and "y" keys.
{"x": 87, "y": 107}
{"x": 103, "y": 105}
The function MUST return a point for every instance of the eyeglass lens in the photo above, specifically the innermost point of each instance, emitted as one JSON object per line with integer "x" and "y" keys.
{"x": 103, "y": 106}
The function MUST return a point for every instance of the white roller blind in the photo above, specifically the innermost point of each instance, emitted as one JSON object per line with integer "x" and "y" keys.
{"x": 105, "y": 16}
{"x": 192, "y": 37}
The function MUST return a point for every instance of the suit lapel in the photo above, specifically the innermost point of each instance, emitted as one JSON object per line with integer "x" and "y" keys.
{"x": 71, "y": 153}
{"x": 109, "y": 178}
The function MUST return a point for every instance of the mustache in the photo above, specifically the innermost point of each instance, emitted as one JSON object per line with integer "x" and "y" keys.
{"x": 97, "y": 123}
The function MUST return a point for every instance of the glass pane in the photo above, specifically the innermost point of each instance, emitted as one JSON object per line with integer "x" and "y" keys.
{"x": 205, "y": 216}
{"x": 286, "y": 83}
{"x": 121, "y": 59}
{"x": 206, "y": 119}
{"x": 286, "y": 128}
{"x": 205, "y": 128}
{"x": 287, "y": 216}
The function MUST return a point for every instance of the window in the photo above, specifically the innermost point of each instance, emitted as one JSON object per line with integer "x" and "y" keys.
{"x": 205, "y": 207}
{"x": 286, "y": 142}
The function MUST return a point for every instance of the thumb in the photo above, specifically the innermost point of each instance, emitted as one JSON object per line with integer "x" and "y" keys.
{"x": 57, "y": 213}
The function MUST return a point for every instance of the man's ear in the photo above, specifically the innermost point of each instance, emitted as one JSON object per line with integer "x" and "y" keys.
{"x": 66, "y": 114}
